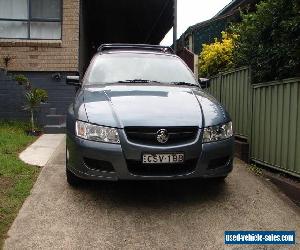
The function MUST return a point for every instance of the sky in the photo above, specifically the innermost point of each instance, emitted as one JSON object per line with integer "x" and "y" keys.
{"x": 191, "y": 12}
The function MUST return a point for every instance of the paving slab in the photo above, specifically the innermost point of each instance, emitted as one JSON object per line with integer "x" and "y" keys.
{"x": 189, "y": 214}
{"x": 40, "y": 152}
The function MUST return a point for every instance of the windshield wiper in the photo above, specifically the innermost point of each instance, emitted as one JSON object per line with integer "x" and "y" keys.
{"x": 137, "y": 81}
{"x": 185, "y": 83}
{"x": 150, "y": 81}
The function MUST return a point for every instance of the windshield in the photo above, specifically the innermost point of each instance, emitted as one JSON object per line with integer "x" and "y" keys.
{"x": 122, "y": 67}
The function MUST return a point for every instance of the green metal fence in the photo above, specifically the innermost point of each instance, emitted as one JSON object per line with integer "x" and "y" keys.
{"x": 233, "y": 90}
{"x": 266, "y": 114}
{"x": 236, "y": 97}
{"x": 215, "y": 87}
{"x": 275, "y": 139}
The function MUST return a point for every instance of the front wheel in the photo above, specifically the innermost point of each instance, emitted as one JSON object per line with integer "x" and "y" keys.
{"x": 72, "y": 179}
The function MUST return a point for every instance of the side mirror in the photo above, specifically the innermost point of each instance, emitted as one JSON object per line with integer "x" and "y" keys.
{"x": 204, "y": 83}
{"x": 73, "y": 80}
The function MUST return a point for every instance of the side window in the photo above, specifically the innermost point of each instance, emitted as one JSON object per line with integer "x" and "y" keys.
{"x": 31, "y": 19}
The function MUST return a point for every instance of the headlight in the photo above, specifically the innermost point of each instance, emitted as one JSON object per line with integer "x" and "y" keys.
{"x": 216, "y": 133}
{"x": 96, "y": 133}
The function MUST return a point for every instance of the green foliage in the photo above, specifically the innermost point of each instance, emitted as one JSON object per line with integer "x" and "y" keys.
{"x": 21, "y": 79}
{"x": 269, "y": 40}
{"x": 217, "y": 56}
{"x": 41, "y": 94}
{"x": 34, "y": 98}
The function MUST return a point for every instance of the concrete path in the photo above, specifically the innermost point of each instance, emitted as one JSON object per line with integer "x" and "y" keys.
{"x": 147, "y": 215}
{"x": 40, "y": 152}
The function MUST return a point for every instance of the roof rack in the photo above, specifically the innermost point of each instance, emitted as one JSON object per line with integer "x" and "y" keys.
{"x": 124, "y": 46}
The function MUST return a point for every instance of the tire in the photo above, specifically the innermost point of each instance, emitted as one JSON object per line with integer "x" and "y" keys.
{"x": 72, "y": 179}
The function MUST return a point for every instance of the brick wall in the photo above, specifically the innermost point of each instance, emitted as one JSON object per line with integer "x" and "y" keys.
{"x": 49, "y": 55}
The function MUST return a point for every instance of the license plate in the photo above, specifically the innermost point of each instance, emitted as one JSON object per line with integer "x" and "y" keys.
{"x": 163, "y": 158}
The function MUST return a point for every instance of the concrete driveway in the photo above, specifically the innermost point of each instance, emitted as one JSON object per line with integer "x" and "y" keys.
{"x": 147, "y": 215}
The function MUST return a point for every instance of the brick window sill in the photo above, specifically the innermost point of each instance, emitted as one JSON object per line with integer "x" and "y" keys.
{"x": 30, "y": 43}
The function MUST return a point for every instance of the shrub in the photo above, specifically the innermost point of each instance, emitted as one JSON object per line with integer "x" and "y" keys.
{"x": 41, "y": 94}
{"x": 34, "y": 98}
{"x": 269, "y": 40}
{"x": 21, "y": 79}
{"x": 217, "y": 56}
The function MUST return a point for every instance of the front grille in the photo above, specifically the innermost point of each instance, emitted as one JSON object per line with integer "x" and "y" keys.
{"x": 102, "y": 166}
{"x": 148, "y": 135}
{"x": 138, "y": 168}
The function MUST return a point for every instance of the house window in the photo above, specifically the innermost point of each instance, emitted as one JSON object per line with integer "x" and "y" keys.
{"x": 31, "y": 19}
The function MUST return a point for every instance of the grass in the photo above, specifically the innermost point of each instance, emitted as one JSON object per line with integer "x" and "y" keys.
{"x": 16, "y": 177}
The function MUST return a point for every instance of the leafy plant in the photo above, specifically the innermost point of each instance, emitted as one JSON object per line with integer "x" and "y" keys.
{"x": 269, "y": 40}
{"x": 217, "y": 56}
{"x": 22, "y": 80}
{"x": 34, "y": 98}
{"x": 43, "y": 95}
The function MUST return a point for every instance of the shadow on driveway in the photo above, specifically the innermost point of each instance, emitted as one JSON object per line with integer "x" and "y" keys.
{"x": 156, "y": 194}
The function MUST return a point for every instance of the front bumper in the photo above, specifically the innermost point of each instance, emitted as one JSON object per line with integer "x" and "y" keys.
{"x": 209, "y": 159}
